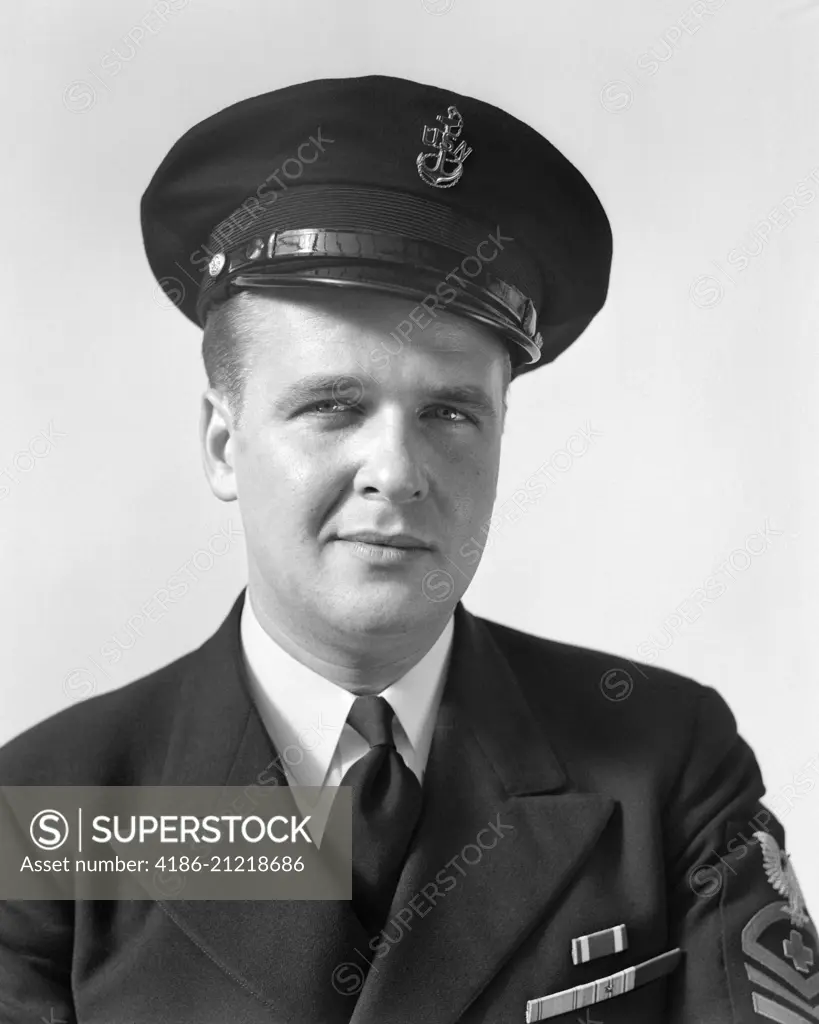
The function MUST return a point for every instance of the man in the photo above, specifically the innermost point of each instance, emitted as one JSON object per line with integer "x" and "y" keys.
{"x": 539, "y": 831}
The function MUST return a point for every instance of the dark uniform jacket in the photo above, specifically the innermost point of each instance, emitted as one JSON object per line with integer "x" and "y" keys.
{"x": 567, "y": 792}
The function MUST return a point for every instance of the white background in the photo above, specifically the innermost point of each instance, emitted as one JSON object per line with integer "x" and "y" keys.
{"x": 700, "y": 386}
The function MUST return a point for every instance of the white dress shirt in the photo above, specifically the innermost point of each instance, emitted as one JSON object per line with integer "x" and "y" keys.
{"x": 306, "y": 715}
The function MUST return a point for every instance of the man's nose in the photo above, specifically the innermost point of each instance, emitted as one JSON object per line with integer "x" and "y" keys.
{"x": 392, "y": 463}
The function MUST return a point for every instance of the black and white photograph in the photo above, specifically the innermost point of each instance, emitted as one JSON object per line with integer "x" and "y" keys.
{"x": 408, "y": 507}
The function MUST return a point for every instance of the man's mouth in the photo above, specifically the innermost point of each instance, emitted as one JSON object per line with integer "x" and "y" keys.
{"x": 392, "y": 540}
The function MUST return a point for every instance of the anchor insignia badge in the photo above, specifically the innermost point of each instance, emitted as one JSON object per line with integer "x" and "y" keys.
{"x": 443, "y": 167}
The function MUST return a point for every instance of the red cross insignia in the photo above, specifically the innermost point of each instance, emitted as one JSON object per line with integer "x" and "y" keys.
{"x": 787, "y": 954}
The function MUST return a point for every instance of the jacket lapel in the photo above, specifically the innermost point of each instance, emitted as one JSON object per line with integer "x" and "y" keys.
{"x": 494, "y": 850}
{"x": 284, "y": 952}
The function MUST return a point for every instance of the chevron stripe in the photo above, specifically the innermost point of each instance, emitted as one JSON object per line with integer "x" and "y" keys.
{"x": 758, "y": 978}
{"x": 776, "y": 1011}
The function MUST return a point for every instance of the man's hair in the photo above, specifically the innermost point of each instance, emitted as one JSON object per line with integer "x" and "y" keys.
{"x": 226, "y": 352}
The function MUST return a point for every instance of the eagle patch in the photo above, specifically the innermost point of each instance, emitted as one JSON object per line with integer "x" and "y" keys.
{"x": 783, "y": 944}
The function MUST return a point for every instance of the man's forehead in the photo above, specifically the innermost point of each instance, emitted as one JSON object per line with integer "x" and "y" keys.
{"x": 300, "y": 328}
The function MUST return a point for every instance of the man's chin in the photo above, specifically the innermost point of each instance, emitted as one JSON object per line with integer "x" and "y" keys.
{"x": 387, "y": 610}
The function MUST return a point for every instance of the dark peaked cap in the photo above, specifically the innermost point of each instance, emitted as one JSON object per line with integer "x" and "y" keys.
{"x": 386, "y": 184}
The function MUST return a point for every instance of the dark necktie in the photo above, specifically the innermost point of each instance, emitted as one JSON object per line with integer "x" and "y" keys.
{"x": 386, "y": 804}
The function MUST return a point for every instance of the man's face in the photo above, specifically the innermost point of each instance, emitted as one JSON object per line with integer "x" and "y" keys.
{"x": 347, "y": 428}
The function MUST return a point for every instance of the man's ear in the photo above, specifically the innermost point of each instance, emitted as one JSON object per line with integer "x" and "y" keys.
{"x": 217, "y": 436}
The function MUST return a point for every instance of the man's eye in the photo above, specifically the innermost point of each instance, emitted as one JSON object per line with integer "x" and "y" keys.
{"x": 332, "y": 406}
{"x": 448, "y": 409}
{"x": 338, "y": 406}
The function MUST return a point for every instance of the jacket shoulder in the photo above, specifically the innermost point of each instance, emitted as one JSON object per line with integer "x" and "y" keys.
{"x": 114, "y": 738}
{"x": 574, "y": 669}
{"x": 602, "y": 709}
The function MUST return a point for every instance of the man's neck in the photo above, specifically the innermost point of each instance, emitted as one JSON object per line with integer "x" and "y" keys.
{"x": 362, "y": 665}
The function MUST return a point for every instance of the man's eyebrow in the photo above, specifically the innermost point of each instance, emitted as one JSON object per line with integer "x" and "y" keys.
{"x": 346, "y": 386}
{"x": 316, "y": 385}
{"x": 471, "y": 395}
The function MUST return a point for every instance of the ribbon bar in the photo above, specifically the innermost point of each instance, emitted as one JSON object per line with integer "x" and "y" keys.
{"x": 605, "y": 988}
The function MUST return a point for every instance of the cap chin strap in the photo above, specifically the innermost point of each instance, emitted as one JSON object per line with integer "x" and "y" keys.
{"x": 377, "y": 262}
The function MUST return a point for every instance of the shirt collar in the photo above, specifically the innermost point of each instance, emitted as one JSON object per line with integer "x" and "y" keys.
{"x": 304, "y": 713}
{"x": 415, "y": 696}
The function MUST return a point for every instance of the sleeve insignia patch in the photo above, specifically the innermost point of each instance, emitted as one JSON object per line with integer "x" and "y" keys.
{"x": 782, "y": 939}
